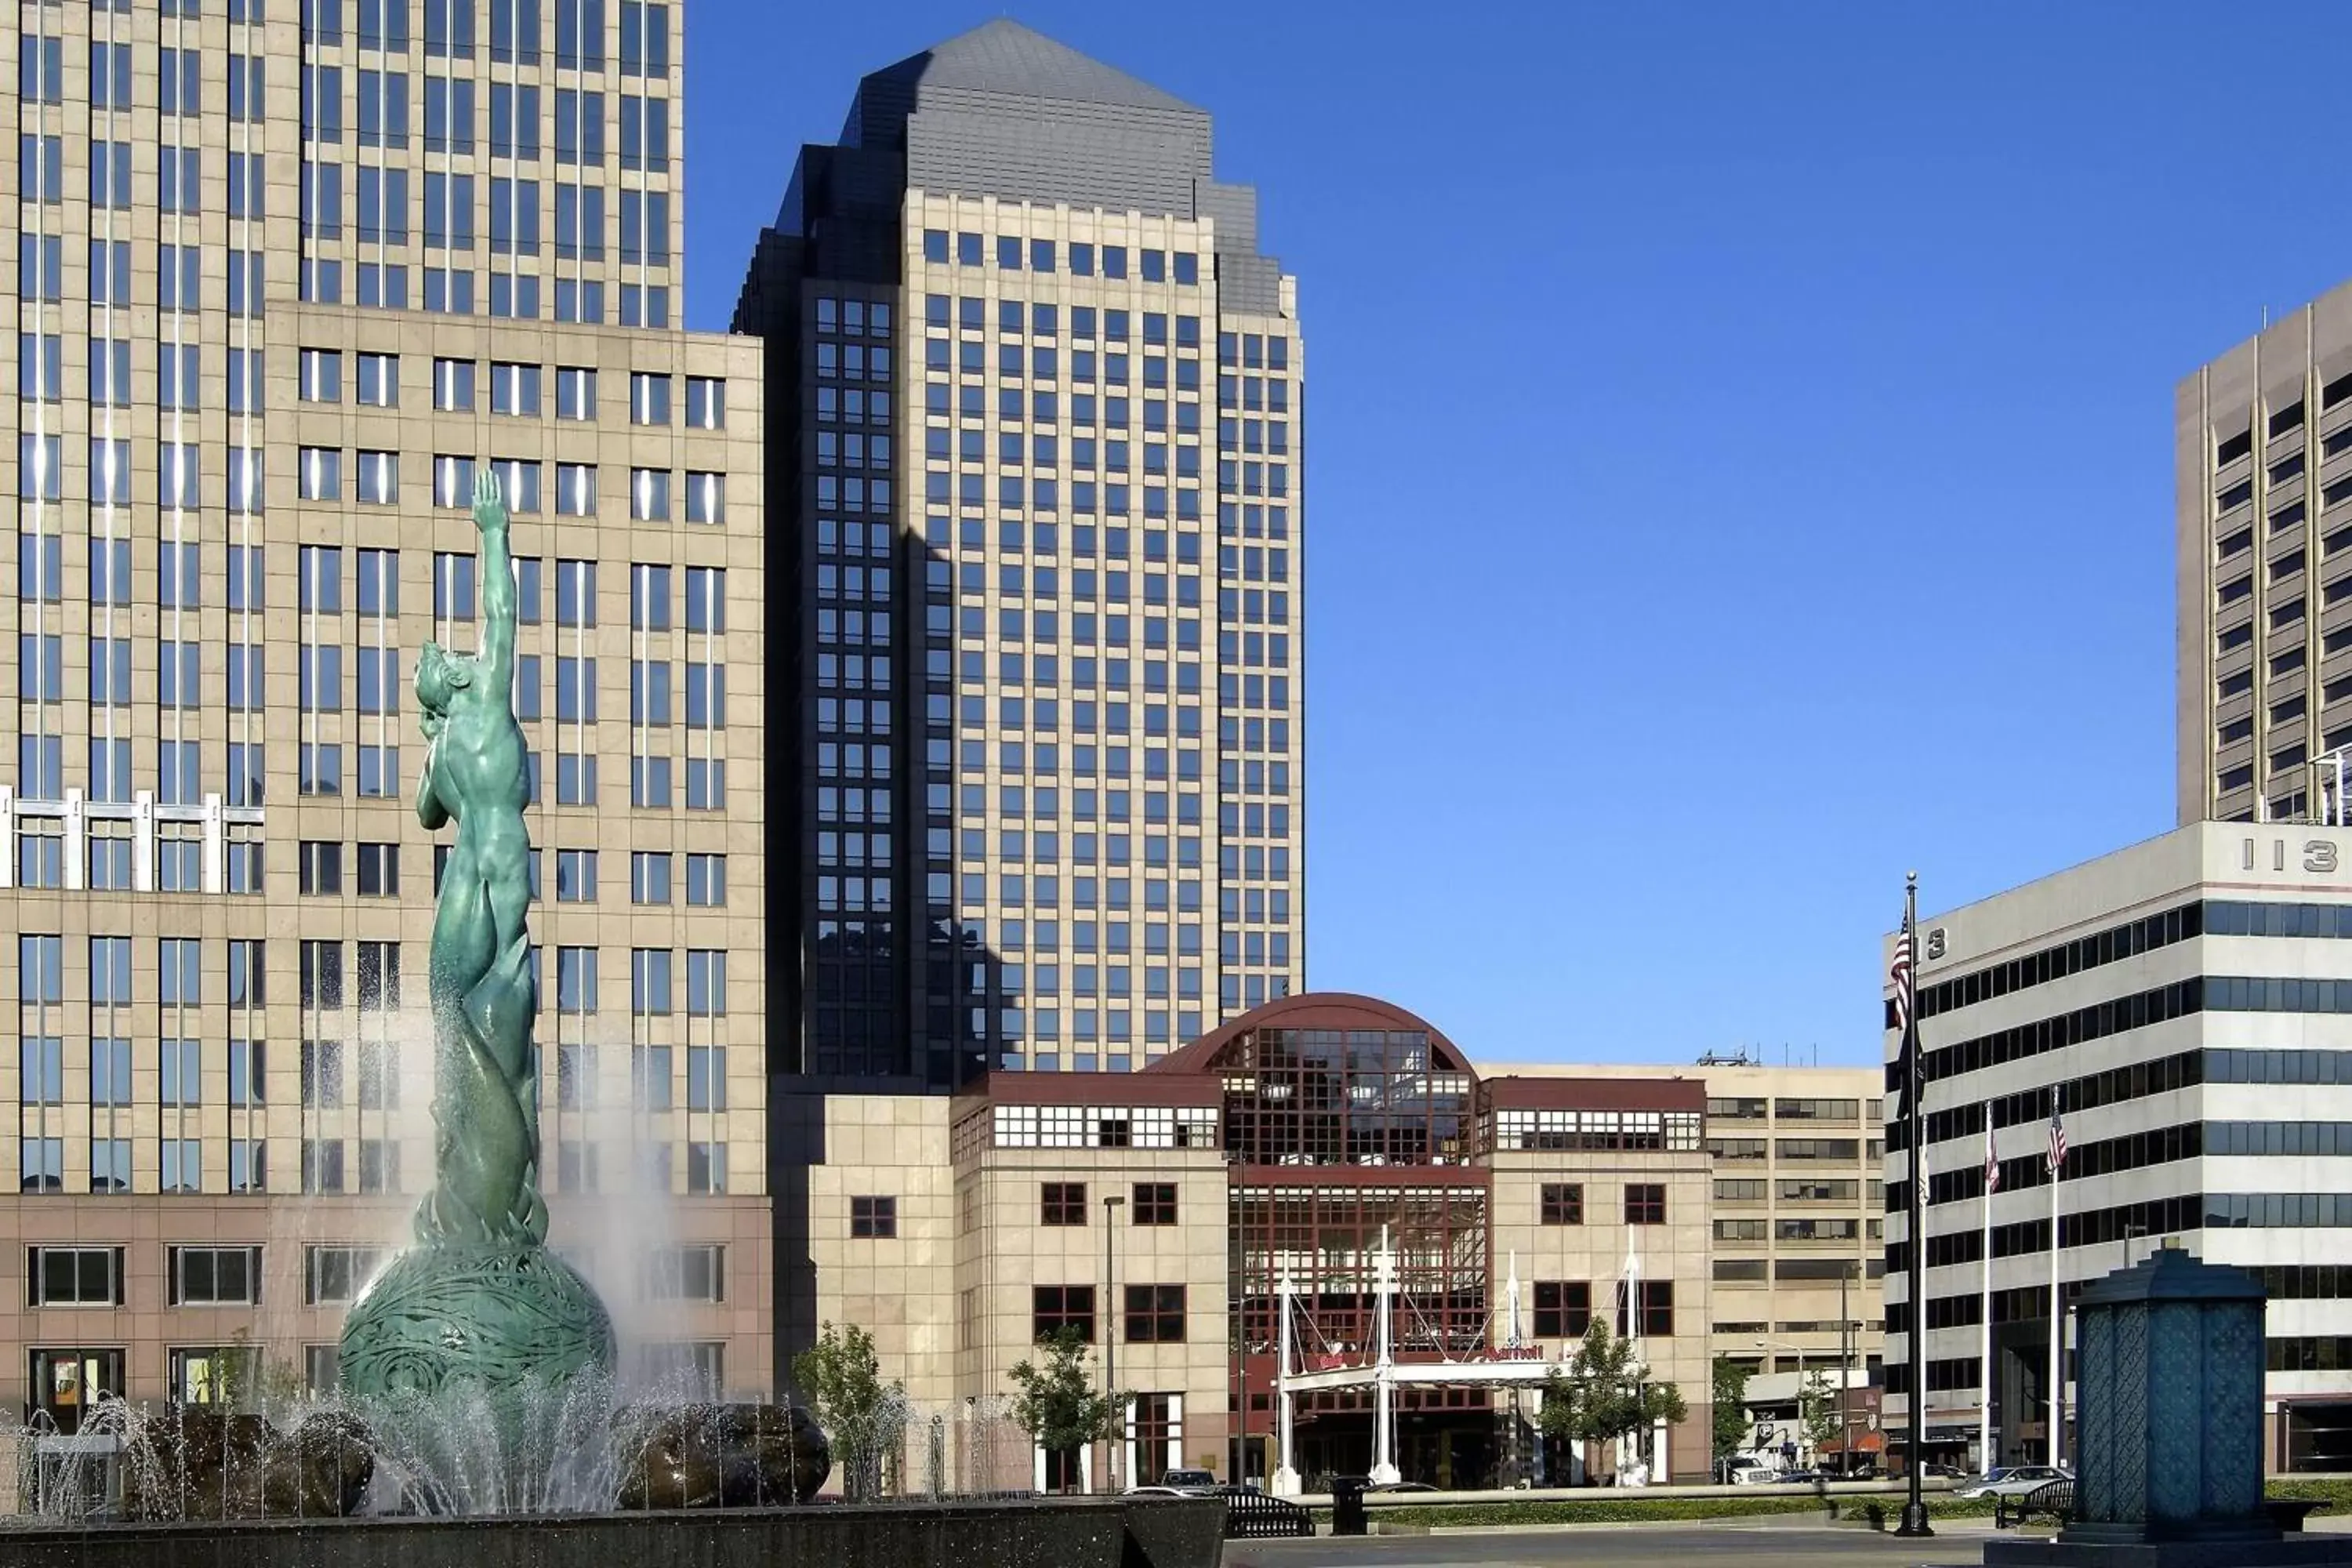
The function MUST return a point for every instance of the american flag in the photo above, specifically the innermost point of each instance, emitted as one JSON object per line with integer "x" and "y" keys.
{"x": 2057, "y": 1136}
{"x": 1899, "y": 972}
{"x": 1992, "y": 1163}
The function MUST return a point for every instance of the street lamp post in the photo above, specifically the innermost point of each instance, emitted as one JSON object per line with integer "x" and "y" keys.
{"x": 1798, "y": 1425}
{"x": 1112, "y": 1204}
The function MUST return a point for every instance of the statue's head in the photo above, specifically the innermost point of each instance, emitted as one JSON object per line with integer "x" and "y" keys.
{"x": 441, "y": 675}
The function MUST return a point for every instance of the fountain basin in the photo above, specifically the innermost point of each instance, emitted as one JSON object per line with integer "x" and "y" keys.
{"x": 1042, "y": 1532}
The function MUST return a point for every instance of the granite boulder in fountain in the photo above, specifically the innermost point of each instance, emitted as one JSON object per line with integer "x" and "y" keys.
{"x": 200, "y": 1462}
{"x": 725, "y": 1456}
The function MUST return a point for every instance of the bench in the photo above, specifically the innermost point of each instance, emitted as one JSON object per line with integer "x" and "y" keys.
{"x": 2054, "y": 1500}
{"x": 1254, "y": 1516}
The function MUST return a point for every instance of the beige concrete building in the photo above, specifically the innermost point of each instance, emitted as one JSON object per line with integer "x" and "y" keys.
{"x": 1800, "y": 1207}
{"x": 283, "y": 284}
{"x": 2263, "y": 463}
{"x": 1160, "y": 1211}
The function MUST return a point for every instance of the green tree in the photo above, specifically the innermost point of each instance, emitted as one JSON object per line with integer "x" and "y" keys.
{"x": 1731, "y": 1423}
{"x": 1818, "y": 1416}
{"x": 249, "y": 1379}
{"x": 841, "y": 1378}
{"x": 1605, "y": 1392}
{"x": 1058, "y": 1404}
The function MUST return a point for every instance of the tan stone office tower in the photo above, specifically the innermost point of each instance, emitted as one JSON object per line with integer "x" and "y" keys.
{"x": 1035, "y": 403}
{"x": 2262, "y": 456}
{"x": 285, "y": 275}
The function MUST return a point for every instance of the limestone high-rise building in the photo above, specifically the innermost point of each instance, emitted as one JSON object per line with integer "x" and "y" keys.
{"x": 2262, "y": 458}
{"x": 1035, "y": 401}
{"x": 287, "y": 273}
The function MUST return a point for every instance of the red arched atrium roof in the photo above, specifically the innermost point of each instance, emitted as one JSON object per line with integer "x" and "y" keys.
{"x": 1313, "y": 1010}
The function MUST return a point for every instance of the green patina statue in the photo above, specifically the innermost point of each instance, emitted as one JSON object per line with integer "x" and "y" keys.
{"x": 478, "y": 1300}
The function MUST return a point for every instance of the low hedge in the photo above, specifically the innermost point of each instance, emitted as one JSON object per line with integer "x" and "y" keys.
{"x": 1613, "y": 1510}
{"x": 2332, "y": 1493}
{"x": 2334, "y": 1496}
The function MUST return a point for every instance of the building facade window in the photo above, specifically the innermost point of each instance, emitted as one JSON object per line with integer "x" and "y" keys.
{"x": 1063, "y": 1203}
{"x": 1155, "y": 1314}
{"x": 1563, "y": 1202}
{"x": 1055, "y": 1308}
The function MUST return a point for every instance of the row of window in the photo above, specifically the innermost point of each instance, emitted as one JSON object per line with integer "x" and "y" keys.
{"x": 1796, "y": 1271}
{"x": 450, "y": 29}
{"x": 2116, "y": 1223}
{"x": 179, "y": 286}
{"x": 1064, "y": 1204}
{"x": 87, "y": 1275}
{"x": 1842, "y": 1151}
{"x": 1794, "y": 1230}
{"x": 1154, "y": 1314}
{"x": 2113, "y": 1086}
{"x": 1563, "y": 1310}
{"x": 1045, "y": 320}
{"x": 2126, "y": 939}
{"x": 655, "y": 495}
{"x": 375, "y": 579}
{"x": 382, "y": 102}
{"x": 2281, "y": 1282}
{"x": 382, "y": 211}
{"x": 1801, "y": 1190}
{"x": 325, "y": 1170}
{"x": 376, "y": 873}
{"x": 1080, "y": 258}
{"x": 181, "y": 1073}
{"x": 180, "y": 773}
{"x": 1115, "y": 414}
{"x": 515, "y": 388}
{"x": 2185, "y": 998}
{"x": 1562, "y": 1202}
{"x": 180, "y": 968}
{"x": 1752, "y": 1107}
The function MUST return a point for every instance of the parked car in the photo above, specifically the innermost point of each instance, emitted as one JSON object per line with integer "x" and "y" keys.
{"x": 1936, "y": 1472}
{"x": 2013, "y": 1480}
{"x": 1800, "y": 1478}
{"x": 1180, "y": 1483}
{"x": 1401, "y": 1487}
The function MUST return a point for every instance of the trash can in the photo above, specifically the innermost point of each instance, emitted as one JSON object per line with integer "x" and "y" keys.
{"x": 1348, "y": 1505}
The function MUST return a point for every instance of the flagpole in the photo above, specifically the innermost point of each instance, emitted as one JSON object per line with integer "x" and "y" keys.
{"x": 1985, "y": 1458}
{"x": 2057, "y": 1308}
{"x": 1914, "y": 1511}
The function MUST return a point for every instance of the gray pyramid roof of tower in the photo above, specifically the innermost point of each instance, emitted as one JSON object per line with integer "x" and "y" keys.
{"x": 1004, "y": 111}
{"x": 1006, "y": 57}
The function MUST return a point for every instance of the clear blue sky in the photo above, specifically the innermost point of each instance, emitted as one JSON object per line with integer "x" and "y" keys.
{"x": 1739, "y": 449}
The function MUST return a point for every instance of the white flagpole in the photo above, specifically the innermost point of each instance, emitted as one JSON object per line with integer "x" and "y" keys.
{"x": 2057, "y": 1308}
{"x": 1985, "y": 1458}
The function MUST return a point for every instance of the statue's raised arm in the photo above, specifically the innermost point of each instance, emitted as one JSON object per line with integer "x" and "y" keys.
{"x": 499, "y": 600}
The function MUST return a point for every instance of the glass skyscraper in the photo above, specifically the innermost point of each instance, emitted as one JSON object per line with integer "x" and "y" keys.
{"x": 1035, "y": 405}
